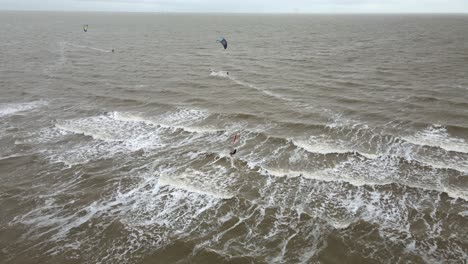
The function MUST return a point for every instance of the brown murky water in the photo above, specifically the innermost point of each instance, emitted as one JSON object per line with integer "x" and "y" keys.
{"x": 353, "y": 142}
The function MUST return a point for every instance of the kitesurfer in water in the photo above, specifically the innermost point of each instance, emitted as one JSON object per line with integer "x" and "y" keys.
{"x": 234, "y": 140}
{"x": 233, "y": 152}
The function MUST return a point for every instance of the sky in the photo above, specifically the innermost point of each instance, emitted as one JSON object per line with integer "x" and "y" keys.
{"x": 244, "y": 6}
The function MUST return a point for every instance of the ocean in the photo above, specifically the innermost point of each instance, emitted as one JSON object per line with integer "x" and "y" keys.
{"x": 352, "y": 138}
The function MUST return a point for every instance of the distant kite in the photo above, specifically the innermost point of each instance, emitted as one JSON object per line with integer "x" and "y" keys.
{"x": 223, "y": 42}
{"x": 85, "y": 28}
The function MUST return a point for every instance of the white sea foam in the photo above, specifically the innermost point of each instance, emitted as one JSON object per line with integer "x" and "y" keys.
{"x": 326, "y": 175}
{"x": 189, "y": 196}
{"x": 339, "y": 223}
{"x": 182, "y": 119}
{"x": 120, "y": 132}
{"x": 341, "y": 206}
{"x": 184, "y": 183}
{"x": 377, "y": 172}
{"x": 52, "y": 215}
{"x": 283, "y": 172}
{"x": 338, "y": 121}
{"x": 14, "y": 108}
{"x": 322, "y": 145}
{"x": 85, "y": 153}
{"x": 106, "y": 128}
{"x": 110, "y": 136}
{"x": 130, "y": 117}
{"x": 458, "y": 163}
{"x": 410, "y": 148}
{"x": 202, "y": 129}
{"x": 156, "y": 212}
{"x": 437, "y": 136}
{"x": 171, "y": 119}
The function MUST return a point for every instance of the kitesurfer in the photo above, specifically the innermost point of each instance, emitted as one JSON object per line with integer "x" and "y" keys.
{"x": 223, "y": 42}
{"x": 234, "y": 140}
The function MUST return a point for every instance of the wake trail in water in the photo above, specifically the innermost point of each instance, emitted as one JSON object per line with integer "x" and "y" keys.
{"x": 14, "y": 108}
{"x": 86, "y": 47}
{"x": 338, "y": 119}
{"x": 225, "y": 74}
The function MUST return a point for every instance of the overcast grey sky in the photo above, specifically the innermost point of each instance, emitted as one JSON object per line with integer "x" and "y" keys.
{"x": 254, "y": 6}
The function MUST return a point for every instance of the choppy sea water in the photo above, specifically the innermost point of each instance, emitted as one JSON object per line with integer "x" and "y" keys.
{"x": 353, "y": 138}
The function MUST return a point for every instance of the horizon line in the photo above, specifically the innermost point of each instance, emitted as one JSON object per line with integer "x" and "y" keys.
{"x": 240, "y": 13}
